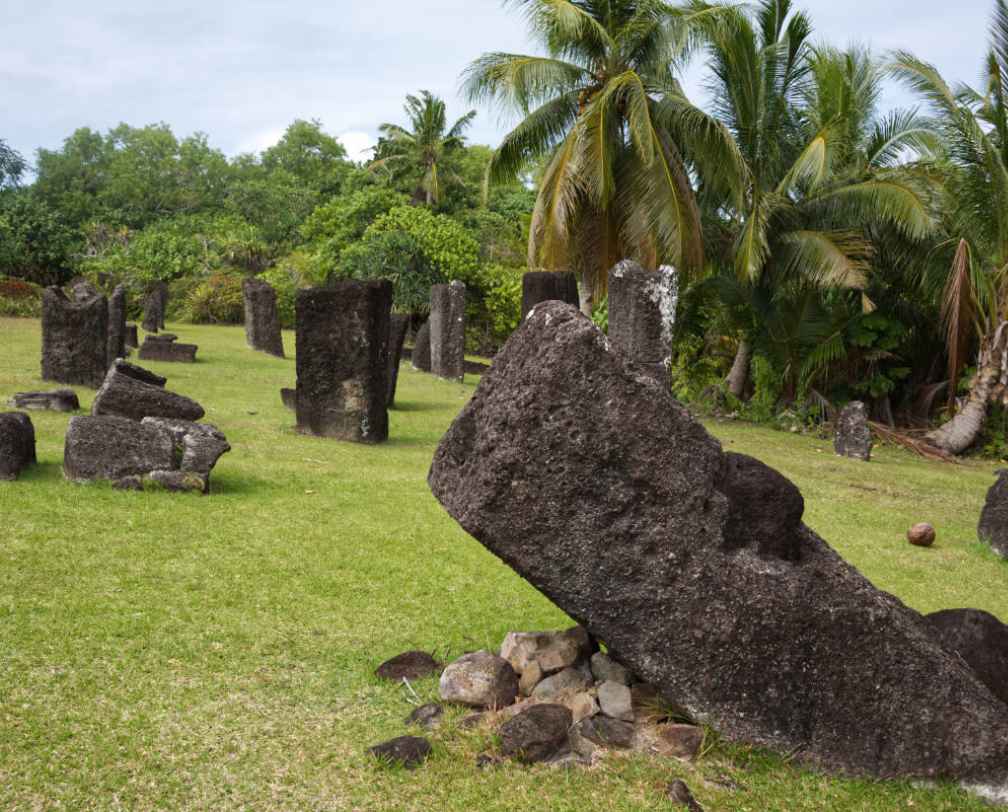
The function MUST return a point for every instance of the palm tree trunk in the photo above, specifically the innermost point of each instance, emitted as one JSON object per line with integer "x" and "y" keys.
{"x": 962, "y": 431}
{"x": 738, "y": 378}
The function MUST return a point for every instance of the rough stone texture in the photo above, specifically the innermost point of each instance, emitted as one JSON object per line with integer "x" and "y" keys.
{"x": 921, "y": 535}
{"x": 616, "y": 701}
{"x": 132, "y": 338}
{"x": 81, "y": 290}
{"x": 155, "y": 303}
{"x": 531, "y": 676}
{"x": 551, "y": 651}
{"x": 570, "y": 680}
{"x": 678, "y": 741}
{"x": 406, "y": 751}
{"x": 582, "y": 706}
{"x": 606, "y": 732}
{"x": 606, "y": 669}
{"x": 545, "y": 286}
{"x": 17, "y": 444}
{"x": 536, "y": 734}
{"x": 342, "y": 364}
{"x": 59, "y": 400}
{"x": 409, "y": 665}
{"x": 159, "y": 350}
{"x": 426, "y": 716}
{"x": 763, "y": 506}
{"x": 198, "y": 446}
{"x": 642, "y": 309}
{"x": 115, "y": 447}
{"x": 601, "y": 490}
{"x": 481, "y": 680}
{"x": 853, "y": 434}
{"x": 398, "y": 324}
{"x": 128, "y": 392}
{"x": 74, "y": 339}
{"x": 116, "y": 325}
{"x": 420, "y": 358}
{"x": 993, "y": 527}
{"x": 289, "y": 398}
{"x": 980, "y": 639}
{"x": 262, "y": 323}
{"x": 447, "y": 331}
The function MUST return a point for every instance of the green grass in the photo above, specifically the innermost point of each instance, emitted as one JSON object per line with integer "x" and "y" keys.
{"x": 164, "y": 651}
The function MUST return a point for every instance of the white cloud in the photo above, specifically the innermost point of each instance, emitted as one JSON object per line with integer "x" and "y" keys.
{"x": 261, "y": 140}
{"x": 358, "y": 144}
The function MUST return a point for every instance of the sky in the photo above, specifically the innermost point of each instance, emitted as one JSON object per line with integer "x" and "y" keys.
{"x": 242, "y": 71}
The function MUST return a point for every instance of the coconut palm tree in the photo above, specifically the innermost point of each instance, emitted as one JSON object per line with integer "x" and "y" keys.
{"x": 974, "y": 128}
{"x": 605, "y": 116}
{"x": 421, "y": 151}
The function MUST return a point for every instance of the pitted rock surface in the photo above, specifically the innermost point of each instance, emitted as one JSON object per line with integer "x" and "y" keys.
{"x": 853, "y": 434}
{"x": 58, "y": 400}
{"x": 133, "y": 392}
{"x": 546, "y": 286}
{"x": 980, "y": 639}
{"x": 447, "y": 330}
{"x": 17, "y": 444}
{"x": 993, "y": 527}
{"x": 74, "y": 339}
{"x": 117, "y": 324}
{"x": 114, "y": 448}
{"x": 262, "y": 322}
{"x": 601, "y": 490}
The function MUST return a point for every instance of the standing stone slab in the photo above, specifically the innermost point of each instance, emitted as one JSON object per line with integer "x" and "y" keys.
{"x": 598, "y": 487}
{"x": 853, "y": 434}
{"x": 117, "y": 324}
{"x": 262, "y": 323}
{"x": 397, "y": 335}
{"x": 421, "y": 349}
{"x": 132, "y": 338}
{"x": 342, "y": 363}
{"x": 642, "y": 309}
{"x": 74, "y": 339}
{"x": 993, "y": 527}
{"x": 114, "y": 448}
{"x": 17, "y": 444}
{"x": 447, "y": 331}
{"x": 545, "y": 286}
{"x": 155, "y": 304}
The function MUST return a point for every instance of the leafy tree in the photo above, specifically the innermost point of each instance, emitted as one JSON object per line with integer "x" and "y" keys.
{"x": 36, "y": 243}
{"x": 12, "y": 165}
{"x": 343, "y": 220}
{"x": 316, "y": 158}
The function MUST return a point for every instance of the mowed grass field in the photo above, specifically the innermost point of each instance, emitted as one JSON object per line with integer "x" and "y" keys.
{"x": 163, "y": 651}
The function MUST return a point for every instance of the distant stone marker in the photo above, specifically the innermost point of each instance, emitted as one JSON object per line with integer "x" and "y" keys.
{"x": 58, "y": 400}
{"x": 132, "y": 338}
{"x": 642, "y": 310}
{"x": 117, "y": 324}
{"x": 447, "y": 331}
{"x": 342, "y": 360}
{"x": 166, "y": 348}
{"x": 74, "y": 338}
{"x": 155, "y": 304}
{"x": 420, "y": 359}
{"x": 17, "y": 444}
{"x": 544, "y": 286}
{"x": 398, "y": 325}
{"x": 262, "y": 322}
{"x": 853, "y": 434}
{"x": 993, "y": 527}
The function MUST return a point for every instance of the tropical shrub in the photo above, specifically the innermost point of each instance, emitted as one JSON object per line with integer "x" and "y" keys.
{"x": 20, "y": 298}
{"x": 217, "y": 300}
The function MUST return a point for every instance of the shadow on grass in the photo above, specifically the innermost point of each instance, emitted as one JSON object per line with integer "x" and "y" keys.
{"x": 414, "y": 406}
{"x": 42, "y": 471}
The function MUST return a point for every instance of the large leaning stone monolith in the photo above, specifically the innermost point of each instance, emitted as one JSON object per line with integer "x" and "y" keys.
{"x": 117, "y": 324}
{"x": 545, "y": 286}
{"x": 693, "y": 567}
{"x": 397, "y": 336}
{"x": 74, "y": 338}
{"x": 342, "y": 364}
{"x": 262, "y": 322}
{"x": 447, "y": 330}
{"x": 642, "y": 307}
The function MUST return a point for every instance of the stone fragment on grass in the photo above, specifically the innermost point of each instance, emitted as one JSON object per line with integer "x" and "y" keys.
{"x": 678, "y": 741}
{"x": 130, "y": 391}
{"x": 177, "y": 481}
{"x": 409, "y": 665}
{"x": 405, "y": 751}
{"x": 17, "y": 444}
{"x": 480, "y": 680}
{"x": 536, "y": 734}
{"x": 570, "y": 680}
{"x": 602, "y": 731}
{"x": 606, "y": 669}
{"x": 198, "y": 446}
{"x": 115, "y": 447}
{"x": 154, "y": 349}
{"x": 616, "y": 701}
{"x": 853, "y": 434}
{"x": 58, "y": 400}
{"x": 993, "y": 527}
{"x": 980, "y": 639}
{"x": 426, "y": 716}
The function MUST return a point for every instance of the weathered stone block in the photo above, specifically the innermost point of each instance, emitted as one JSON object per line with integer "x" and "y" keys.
{"x": 398, "y": 325}
{"x": 545, "y": 286}
{"x": 198, "y": 446}
{"x": 853, "y": 434}
{"x": 980, "y": 639}
{"x": 114, "y": 448}
{"x": 59, "y": 400}
{"x": 262, "y": 323}
{"x": 642, "y": 310}
{"x": 993, "y": 526}
{"x": 154, "y": 349}
{"x": 421, "y": 349}
{"x": 342, "y": 364}
{"x": 602, "y": 491}
{"x": 155, "y": 303}
{"x": 74, "y": 339}
{"x": 17, "y": 444}
{"x": 132, "y": 337}
{"x": 133, "y": 392}
{"x": 447, "y": 331}
{"x": 117, "y": 324}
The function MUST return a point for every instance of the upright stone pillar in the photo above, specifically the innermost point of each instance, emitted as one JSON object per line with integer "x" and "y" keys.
{"x": 342, "y": 360}
{"x": 397, "y": 335}
{"x": 262, "y": 323}
{"x": 154, "y": 307}
{"x": 642, "y": 307}
{"x": 74, "y": 339}
{"x": 447, "y": 331}
{"x": 544, "y": 286}
{"x": 117, "y": 324}
{"x": 421, "y": 348}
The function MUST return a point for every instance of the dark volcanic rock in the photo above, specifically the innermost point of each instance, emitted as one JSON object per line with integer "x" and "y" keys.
{"x": 536, "y": 734}
{"x": 262, "y": 323}
{"x": 420, "y": 357}
{"x": 117, "y": 324}
{"x": 642, "y": 316}
{"x": 601, "y": 490}
{"x": 59, "y": 400}
{"x": 426, "y": 716}
{"x": 289, "y": 398}
{"x": 132, "y": 339}
{"x": 115, "y": 447}
{"x": 853, "y": 434}
{"x": 342, "y": 364}
{"x": 74, "y": 339}
{"x": 17, "y": 444}
{"x": 409, "y": 665}
{"x": 762, "y": 505}
{"x": 680, "y": 795}
{"x": 198, "y": 446}
{"x": 606, "y": 732}
{"x": 126, "y": 392}
{"x": 545, "y": 286}
{"x": 980, "y": 639}
{"x": 447, "y": 331}
{"x": 155, "y": 304}
{"x": 81, "y": 290}
{"x": 406, "y": 751}
{"x": 397, "y": 335}
{"x": 993, "y": 527}
{"x": 157, "y": 350}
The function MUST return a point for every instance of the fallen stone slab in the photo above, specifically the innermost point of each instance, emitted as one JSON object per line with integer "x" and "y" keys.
{"x": 536, "y": 734}
{"x": 106, "y": 447}
{"x": 133, "y": 392}
{"x": 17, "y": 444}
{"x": 853, "y": 434}
{"x": 74, "y": 339}
{"x": 600, "y": 489}
{"x": 198, "y": 446}
{"x": 406, "y": 751}
{"x": 545, "y": 286}
{"x": 993, "y": 526}
{"x": 420, "y": 357}
{"x": 398, "y": 325}
{"x": 980, "y": 639}
{"x": 170, "y": 351}
{"x": 58, "y": 400}
{"x": 262, "y": 322}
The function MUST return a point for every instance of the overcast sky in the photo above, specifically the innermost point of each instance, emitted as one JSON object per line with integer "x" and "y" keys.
{"x": 242, "y": 71}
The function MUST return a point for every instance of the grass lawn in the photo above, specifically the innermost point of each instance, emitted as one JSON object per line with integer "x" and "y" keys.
{"x": 165, "y": 651}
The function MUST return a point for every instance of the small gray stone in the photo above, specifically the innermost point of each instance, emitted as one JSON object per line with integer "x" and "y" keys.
{"x": 606, "y": 669}
{"x": 601, "y": 731}
{"x": 426, "y": 716}
{"x": 177, "y": 481}
{"x": 570, "y": 680}
{"x": 530, "y": 678}
{"x": 481, "y": 680}
{"x": 582, "y": 706}
{"x": 616, "y": 701}
{"x": 406, "y": 751}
